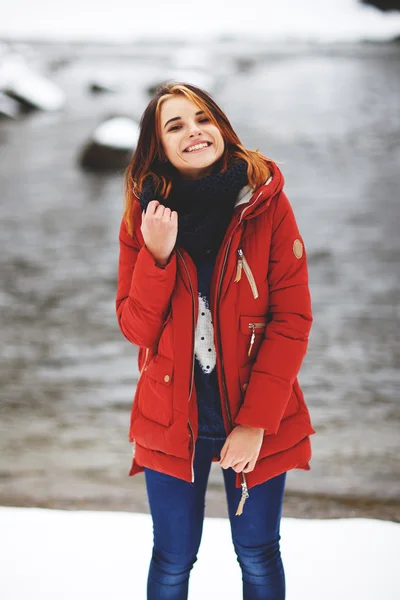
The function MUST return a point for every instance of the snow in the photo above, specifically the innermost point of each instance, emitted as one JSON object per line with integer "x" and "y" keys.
{"x": 124, "y": 20}
{"x": 49, "y": 554}
{"x": 118, "y": 132}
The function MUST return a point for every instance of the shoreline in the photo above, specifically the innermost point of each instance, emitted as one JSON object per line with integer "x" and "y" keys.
{"x": 295, "y": 505}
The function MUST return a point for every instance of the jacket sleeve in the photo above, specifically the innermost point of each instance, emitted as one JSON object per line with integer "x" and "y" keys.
{"x": 144, "y": 291}
{"x": 286, "y": 335}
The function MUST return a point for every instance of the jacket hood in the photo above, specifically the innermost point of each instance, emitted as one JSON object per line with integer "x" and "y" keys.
{"x": 251, "y": 203}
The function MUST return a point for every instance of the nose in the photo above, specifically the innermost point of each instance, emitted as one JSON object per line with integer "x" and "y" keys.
{"x": 194, "y": 130}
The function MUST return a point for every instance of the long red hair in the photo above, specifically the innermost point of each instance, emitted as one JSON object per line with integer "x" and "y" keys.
{"x": 149, "y": 159}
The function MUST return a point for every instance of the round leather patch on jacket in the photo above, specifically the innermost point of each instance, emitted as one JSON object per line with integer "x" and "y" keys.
{"x": 297, "y": 248}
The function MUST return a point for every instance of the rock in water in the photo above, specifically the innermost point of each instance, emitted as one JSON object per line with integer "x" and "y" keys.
{"x": 98, "y": 87}
{"x": 32, "y": 90}
{"x": 384, "y": 4}
{"x": 9, "y": 108}
{"x": 111, "y": 146}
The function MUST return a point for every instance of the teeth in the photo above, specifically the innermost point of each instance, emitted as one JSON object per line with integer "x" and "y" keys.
{"x": 197, "y": 147}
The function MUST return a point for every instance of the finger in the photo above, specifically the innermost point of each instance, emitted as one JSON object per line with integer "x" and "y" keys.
{"x": 167, "y": 214}
{"x": 239, "y": 466}
{"x": 250, "y": 466}
{"x": 223, "y": 453}
{"x": 151, "y": 207}
{"x": 174, "y": 220}
{"x": 227, "y": 462}
{"x": 159, "y": 212}
{"x": 231, "y": 460}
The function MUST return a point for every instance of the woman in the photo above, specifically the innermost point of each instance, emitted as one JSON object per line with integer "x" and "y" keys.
{"x": 213, "y": 288}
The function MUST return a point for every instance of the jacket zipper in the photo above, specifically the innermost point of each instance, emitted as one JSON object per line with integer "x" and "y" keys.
{"x": 144, "y": 364}
{"x": 253, "y": 327}
{"x": 247, "y": 207}
{"x": 245, "y": 493}
{"x": 193, "y": 355}
{"x": 242, "y": 264}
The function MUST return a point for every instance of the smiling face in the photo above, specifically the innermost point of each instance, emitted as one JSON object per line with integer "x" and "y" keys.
{"x": 191, "y": 142}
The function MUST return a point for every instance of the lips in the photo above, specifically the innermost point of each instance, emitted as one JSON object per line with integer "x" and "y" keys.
{"x": 197, "y": 144}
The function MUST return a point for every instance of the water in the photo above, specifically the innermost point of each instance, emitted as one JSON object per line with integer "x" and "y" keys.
{"x": 330, "y": 117}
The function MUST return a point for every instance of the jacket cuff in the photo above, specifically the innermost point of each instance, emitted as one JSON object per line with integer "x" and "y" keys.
{"x": 152, "y": 284}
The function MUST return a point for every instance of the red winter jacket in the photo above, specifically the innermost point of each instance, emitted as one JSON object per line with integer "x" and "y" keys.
{"x": 261, "y": 312}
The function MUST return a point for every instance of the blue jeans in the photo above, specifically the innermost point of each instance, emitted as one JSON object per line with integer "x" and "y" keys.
{"x": 177, "y": 510}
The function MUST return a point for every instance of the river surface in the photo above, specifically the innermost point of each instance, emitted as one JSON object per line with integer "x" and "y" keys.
{"x": 329, "y": 115}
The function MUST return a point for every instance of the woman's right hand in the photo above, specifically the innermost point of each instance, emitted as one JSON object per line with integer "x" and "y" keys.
{"x": 159, "y": 229}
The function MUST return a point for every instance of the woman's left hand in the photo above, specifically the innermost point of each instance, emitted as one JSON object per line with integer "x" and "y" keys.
{"x": 241, "y": 448}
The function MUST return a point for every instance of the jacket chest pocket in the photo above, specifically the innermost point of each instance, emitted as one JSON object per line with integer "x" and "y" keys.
{"x": 251, "y": 335}
{"x": 156, "y": 391}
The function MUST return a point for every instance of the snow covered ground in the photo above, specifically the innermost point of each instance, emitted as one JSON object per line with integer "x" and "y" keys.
{"x": 47, "y": 554}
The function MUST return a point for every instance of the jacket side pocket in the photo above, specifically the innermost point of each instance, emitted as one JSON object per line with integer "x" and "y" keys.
{"x": 156, "y": 392}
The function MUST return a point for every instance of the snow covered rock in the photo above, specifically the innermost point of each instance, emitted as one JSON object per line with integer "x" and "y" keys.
{"x": 111, "y": 145}
{"x": 100, "y": 87}
{"x": 31, "y": 89}
{"x": 9, "y": 107}
{"x": 384, "y": 4}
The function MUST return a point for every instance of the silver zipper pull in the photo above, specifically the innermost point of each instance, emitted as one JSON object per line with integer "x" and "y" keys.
{"x": 239, "y": 266}
{"x": 245, "y": 495}
{"x": 253, "y": 337}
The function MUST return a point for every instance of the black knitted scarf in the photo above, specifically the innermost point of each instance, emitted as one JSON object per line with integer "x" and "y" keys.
{"x": 204, "y": 206}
